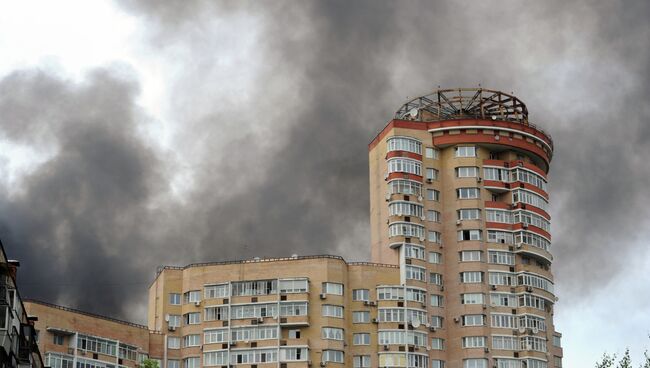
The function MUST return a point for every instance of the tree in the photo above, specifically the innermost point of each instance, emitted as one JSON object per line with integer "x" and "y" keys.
{"x": 150, "y": 363}
{"x": 607, "y": 361}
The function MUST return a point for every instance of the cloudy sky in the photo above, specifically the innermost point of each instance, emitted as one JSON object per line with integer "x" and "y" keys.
{"x": 140, "y": 133}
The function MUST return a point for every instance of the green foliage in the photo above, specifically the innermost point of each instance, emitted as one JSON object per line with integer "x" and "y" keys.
{"x": 607, "y": 361}
{"x": 625, "y": 361}
{"x": 150, "y": 363}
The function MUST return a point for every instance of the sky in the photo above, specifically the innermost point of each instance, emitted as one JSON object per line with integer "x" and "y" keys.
{"x": 135, "y": 134}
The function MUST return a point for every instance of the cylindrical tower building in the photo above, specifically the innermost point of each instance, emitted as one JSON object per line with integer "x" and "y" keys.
{"x": 459, "y": 199}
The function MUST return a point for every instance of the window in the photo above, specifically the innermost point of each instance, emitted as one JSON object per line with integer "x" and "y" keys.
{"x": 361, "y": 294}
{"x": 535, "y": 363}
{"x": 293, "y": 354}
{"x": 215, "y": 336}
{"x": 400, "y": 208}
{"x": 216, "y": 313}
{"x": 501, "y": 216}
{"x": 290, "y": 286}
{"x": 242, "y": 357}
{"x": 192, "y": 318}
{"x": 215, "y": 358}
{"x": 473, "y": 320}
{"x": 435, "y": 257}
{"x": 332, "y": 288}
{"x": 495, "y": 236}
{"x": 501, "y": 278}
{"x": 558, "y": 361}
{"x": 58, "y": 339}
{"x": 414, "y": 251}
{"x": 435, "y": 278}
{"x": 431, "y": 152}
{"x": 405, "y": 165}
{"x": 529, "y": 177}
{"x": 416, "y": 273}
{"x": 469, "y": 235}
{"x": 434, "y": 237}
{"x": 437, "y": 343}
{"x": 361, "y": 339}
{"x": 332, "y": 333}
{"x": 497, "y": 174}
{"x": 533, "y": 343}
{"x": 436, "y": 321}
{"x": 192, "y": 362}
{"x": 432, "y": 173}
{"x": 406, "y": 229}
{"x": 504, "y": 342}
{"x": 468, "y": 193}
{"x": 361, "y": 361}
{"x": 469, "y": 214}
{"x": 172, "y": 363}
{"x": 533, "y": 199}
{"x": 466, "y": 172}
{"x": 404, "y": 144}
{"x": 531, "y": 218}
{"x": 361, "y": 317}
{"x": 244, "y": 311}
{"x": 173, "y": 342}
{"x": 466, "y": 151}
{"x": 435, "y": 363}
{"x": 174, "y": 299}
{"x": 174, "y": 320}
{"x": 475, "y": 363}
{"x": 557, "y": 341}
{"x": 294, "y": 334}
{"x": 436, "y": 300}
{"x": 254, "y": 333}
{"x": 216, "y": 291}
{"x": 503, "y": 321}
{"x": 334, "y": 356}
{"x": 433, "y": 195}
{"x": 503, "y": 300}
{"x": 471, "y": 277}
{"x": 192, "y": 296}
{"x": 401, "y": 186}
{"x": 507, "y": 363}
{"x": 501, "y": 257}
{"x": 433, "y": 216}
{"x": 470, "y": 256}
{"x": 528, "y": 300}
{"x": 191, "y": 340}
{"x": 253, "y": 288}
{"x": 535, "y": 240}
{"x": 332, "y": 311}
{"x": 293, "y": 309}
{"x": 531, "y": 321}
{"x": 474, "y": 342}
{"x": 400, "y": 337}
{"x": 472, "y": 298}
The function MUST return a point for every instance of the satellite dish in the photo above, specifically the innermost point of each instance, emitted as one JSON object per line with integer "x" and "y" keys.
{"x": 416, "y": 322}
{"x": 413, "y": 112}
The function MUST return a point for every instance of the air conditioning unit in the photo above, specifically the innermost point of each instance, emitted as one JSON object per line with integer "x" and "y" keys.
{"x": 197, "y": 303}
{"x": 171, "y": 328}
{"x": 398, "y": 214}
{"x": 385, "y": 347}
{"x": 485, "y": 306}
{"x": 323, "y": 296}
{"x": 529, "y": 289}
{"x": 458, "y": 222}
{"x": 427, "y": 325}
{"x": 429, "y": 180}
{"x": 369, "y": 303}
{"x": 519, "y": 245}
{"x": 386, "y": 176}
{"x": 442, "y": 288}
{"x": 522, "y": 330}
{"x": 422, "y": 238}
{"x": 524, "y": 225}
{"x": 456, "y": 319}
{"x": 432, "y": 328}
{"x": 529, "y": 347}
{"x": 494, "y": 287}
{"x": 260, "y": 320}
{"x": 375, "y": 320}
{"x": 420, "y": 199}
{"x": 323, "y": 364}
{"x": 486, "y": 350}
{"x": 423, "y": 218}
{"x": 388, "y": 197}
{"x": 535, "y": 330}
{"x": 479, "y": 179}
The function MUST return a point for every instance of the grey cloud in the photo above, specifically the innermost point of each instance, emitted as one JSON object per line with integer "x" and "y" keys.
{"x": 277, "y": 155}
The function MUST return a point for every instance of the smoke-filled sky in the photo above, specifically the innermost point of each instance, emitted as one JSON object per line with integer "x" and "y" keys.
{"x": 140, "y": 133}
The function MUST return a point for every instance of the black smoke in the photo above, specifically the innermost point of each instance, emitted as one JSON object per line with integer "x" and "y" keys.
{"x": 270, "y": 145}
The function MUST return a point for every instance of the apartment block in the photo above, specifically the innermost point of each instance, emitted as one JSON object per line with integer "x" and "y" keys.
{"x": 460, "y": 273}
{"x": 18, "y": 346}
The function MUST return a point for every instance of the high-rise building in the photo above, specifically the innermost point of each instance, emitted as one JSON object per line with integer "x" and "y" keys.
{"x": 460, "y": 274}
